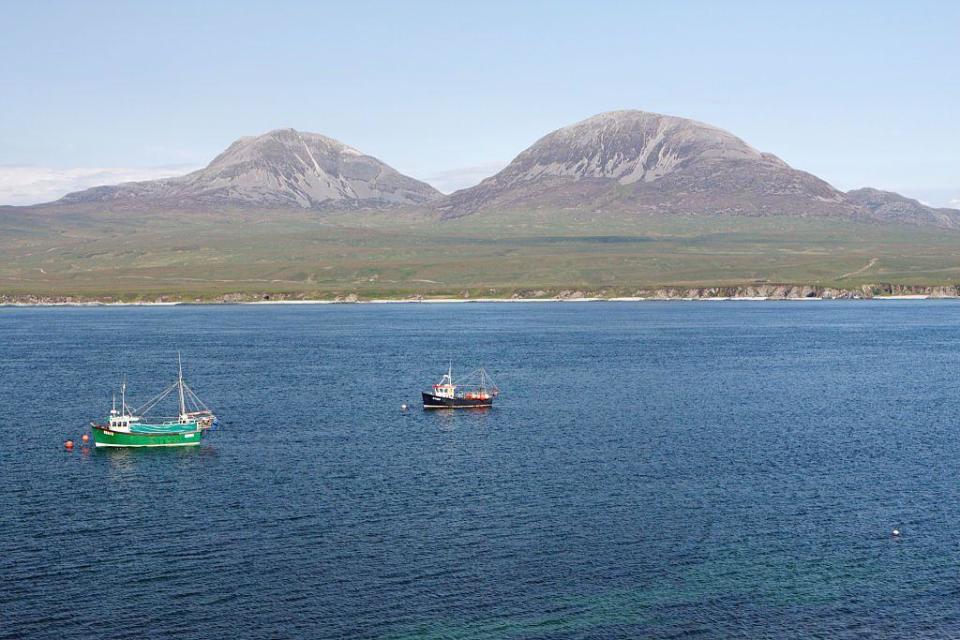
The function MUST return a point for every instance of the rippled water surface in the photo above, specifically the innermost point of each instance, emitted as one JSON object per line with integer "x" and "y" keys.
{"x": 652, "y": 470}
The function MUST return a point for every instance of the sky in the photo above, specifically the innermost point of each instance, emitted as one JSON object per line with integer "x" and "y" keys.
{"x": 858, "y": 93}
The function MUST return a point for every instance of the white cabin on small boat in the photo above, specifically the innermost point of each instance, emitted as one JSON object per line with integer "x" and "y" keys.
{"x": 121, "y": 422}
{"x": 445, "y": 388}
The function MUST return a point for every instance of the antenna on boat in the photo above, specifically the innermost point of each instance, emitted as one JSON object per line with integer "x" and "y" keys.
{"x": 183, "y": 406}
{"x": 123, "y": 396}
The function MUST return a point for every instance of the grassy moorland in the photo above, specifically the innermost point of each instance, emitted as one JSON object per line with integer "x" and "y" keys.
{"x": 394, "y": 255}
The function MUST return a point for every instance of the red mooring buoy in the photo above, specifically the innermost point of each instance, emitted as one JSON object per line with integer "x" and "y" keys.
{"x": 68, "y": 444}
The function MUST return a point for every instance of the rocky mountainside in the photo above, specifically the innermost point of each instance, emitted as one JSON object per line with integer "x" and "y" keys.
{"x": 893, "y": 207}
{"x": 280, "y": 169}
{"x": 633, "y": 163}
{"x": 647, "y": 163}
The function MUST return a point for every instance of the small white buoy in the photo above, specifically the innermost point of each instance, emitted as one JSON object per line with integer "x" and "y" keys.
{"x": 896, "y": 533}
{"x": 403, "y": 407}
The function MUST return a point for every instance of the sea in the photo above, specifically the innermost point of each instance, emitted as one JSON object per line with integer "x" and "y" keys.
{"x": 650, "y": 470}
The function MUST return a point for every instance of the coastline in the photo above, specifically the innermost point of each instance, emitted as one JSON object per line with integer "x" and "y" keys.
{"x": 53, "y": 301}
{"x": 753, "y": 292}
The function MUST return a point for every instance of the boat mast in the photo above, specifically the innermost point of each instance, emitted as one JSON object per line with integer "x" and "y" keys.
{"x": 123, "y": 396}
{"x": 183, "y": 405}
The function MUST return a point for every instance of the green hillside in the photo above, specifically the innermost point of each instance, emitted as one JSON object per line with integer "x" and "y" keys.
{"x": 397, "y": 255}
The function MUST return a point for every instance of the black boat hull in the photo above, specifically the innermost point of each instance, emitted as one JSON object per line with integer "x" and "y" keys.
{"x": 431, "y": 401}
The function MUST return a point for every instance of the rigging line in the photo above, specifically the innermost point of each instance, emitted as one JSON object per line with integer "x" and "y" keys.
{"x": 194, "y": 405}
{"x": 197, "y": 398}
{"x": 153, "y": 401}
{"x": 165, "y": 391}
{"x": 198, "y": 402}
{"x": 477, "y": 376}
{"x": 197, "y": 408}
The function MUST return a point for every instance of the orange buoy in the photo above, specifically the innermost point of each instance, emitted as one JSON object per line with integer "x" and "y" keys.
{"x": 68, "y": 444}
{"x": 85, "y": 438}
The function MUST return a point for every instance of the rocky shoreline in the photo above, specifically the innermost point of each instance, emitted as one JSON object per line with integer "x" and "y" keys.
{"x": 745, "y": 292}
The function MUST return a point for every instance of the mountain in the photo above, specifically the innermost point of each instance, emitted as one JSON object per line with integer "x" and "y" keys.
{"x": 893, "y": 207}
{"x": 646, "y": 163}
{"x": 280, "y": 169}
{"x": 630, "y": 163}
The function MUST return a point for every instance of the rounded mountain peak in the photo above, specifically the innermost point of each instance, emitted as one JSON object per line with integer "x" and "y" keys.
{"x": 282, "y": 145}
{"x": 283, "y": 168}
{"x": 638, "y": 160}
{"x": 629, "y": 146}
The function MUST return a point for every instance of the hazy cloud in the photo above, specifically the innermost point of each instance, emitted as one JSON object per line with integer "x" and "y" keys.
{"x": 454, "y": 179}
{"x": 22, "y": 185}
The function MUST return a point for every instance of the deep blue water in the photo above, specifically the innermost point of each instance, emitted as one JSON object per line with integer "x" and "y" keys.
{"x": 655, "y": 470}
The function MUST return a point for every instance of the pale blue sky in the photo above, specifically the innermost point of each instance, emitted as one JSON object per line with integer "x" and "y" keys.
{"x": 859, "y": 93}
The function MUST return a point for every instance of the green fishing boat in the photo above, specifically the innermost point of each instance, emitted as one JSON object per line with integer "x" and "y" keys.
{"x": 128, "y": 427}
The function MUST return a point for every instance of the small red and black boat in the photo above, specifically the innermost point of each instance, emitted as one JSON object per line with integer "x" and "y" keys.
{"x": 475, "y": 391}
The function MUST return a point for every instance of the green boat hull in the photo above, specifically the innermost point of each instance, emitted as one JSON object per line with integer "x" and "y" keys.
{"x": 107, "y": 438}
